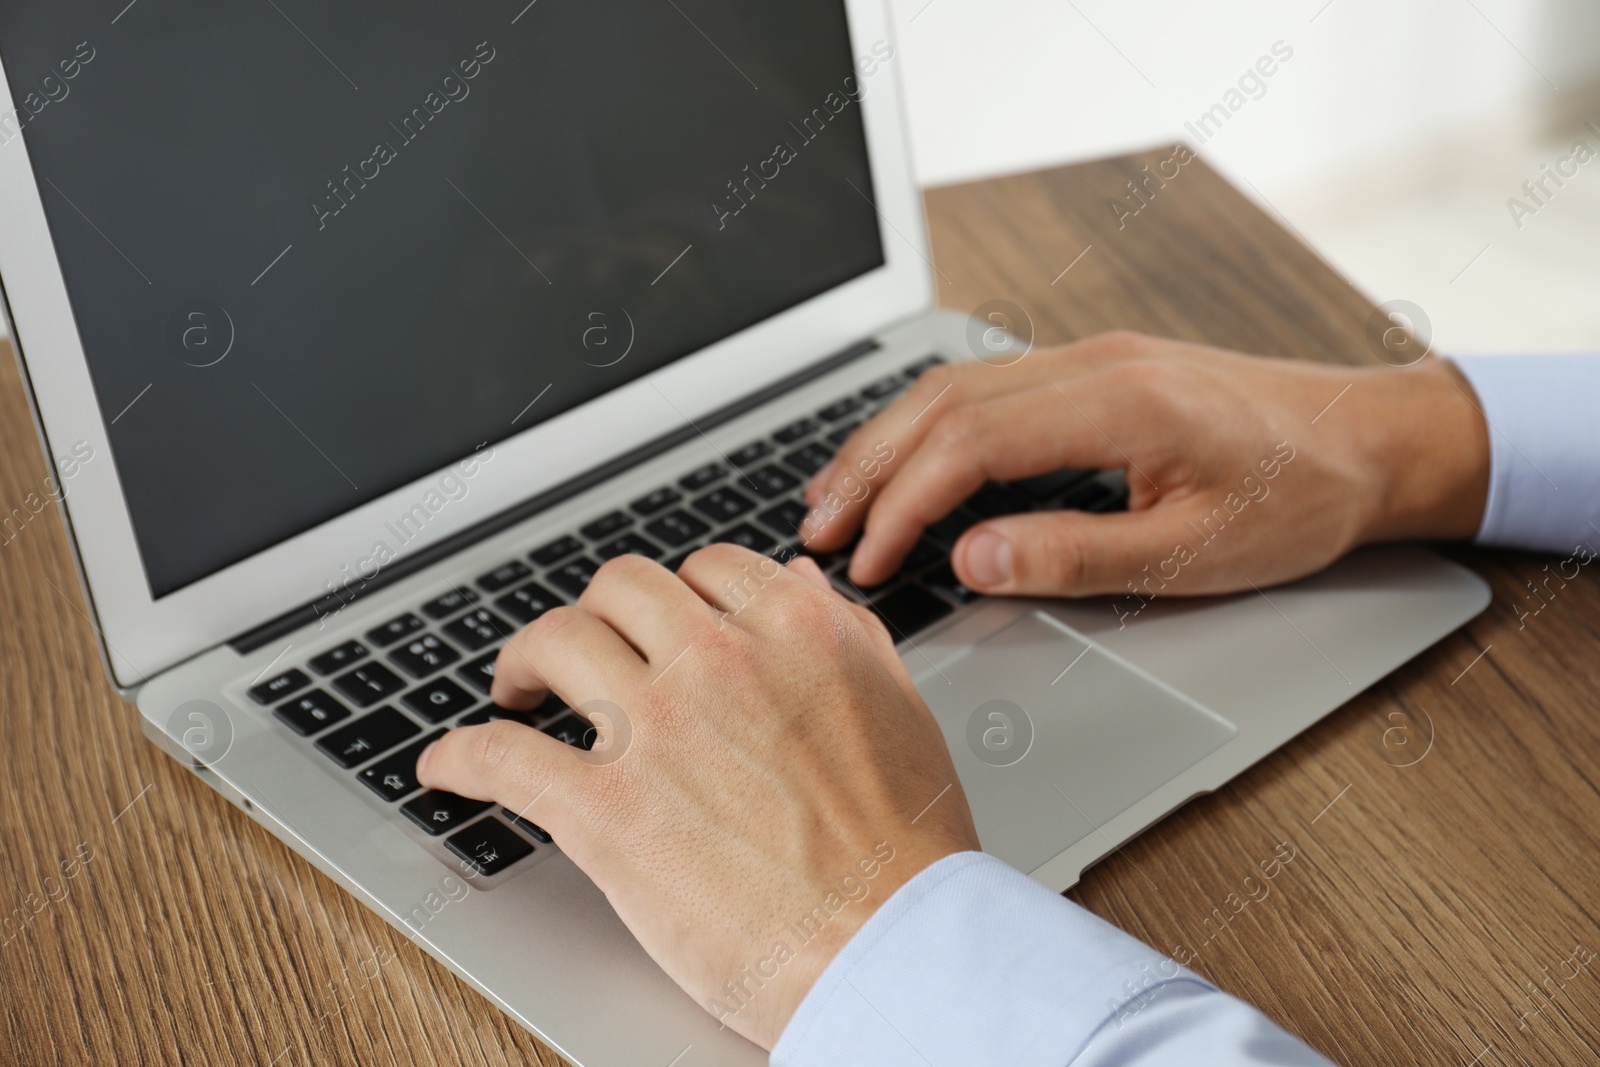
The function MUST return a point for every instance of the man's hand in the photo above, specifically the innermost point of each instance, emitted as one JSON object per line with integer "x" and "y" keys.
{"x": 1240, "y": 470}
{"x": 767, "y": 778}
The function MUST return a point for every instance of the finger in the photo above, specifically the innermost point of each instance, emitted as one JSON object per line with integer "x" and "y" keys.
{"x": 731, "y": 578}
{"x": 570, "y": 652}
{"x": 645, "y": 604}
{"x": 1013, "y": 436}
{"x": 1074, "y": 553}
{"x": 807, "y": 568}
{"x": 511, "y": 764}
{"x": 840, "y": 490}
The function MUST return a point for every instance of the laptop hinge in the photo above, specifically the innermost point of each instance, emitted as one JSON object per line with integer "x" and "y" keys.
{"x": 308, "y": 613}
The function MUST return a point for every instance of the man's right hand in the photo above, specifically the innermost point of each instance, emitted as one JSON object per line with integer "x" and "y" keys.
{"x": 1241, "y": 470}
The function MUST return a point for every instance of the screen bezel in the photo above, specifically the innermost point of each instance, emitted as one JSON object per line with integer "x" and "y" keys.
{"x": 141, "y": 635}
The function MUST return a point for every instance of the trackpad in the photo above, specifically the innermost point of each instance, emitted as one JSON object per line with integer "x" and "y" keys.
{"x": 1053, "y": 736}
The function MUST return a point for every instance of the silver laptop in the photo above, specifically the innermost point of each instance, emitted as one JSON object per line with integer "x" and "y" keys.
{"x": 359, "y": 336}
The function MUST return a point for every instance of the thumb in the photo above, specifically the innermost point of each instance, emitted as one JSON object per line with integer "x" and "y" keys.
{"x": 1073, "y": 553}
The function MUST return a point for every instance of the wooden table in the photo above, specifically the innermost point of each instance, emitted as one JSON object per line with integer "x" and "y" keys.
{"x": 1445, "y": 826}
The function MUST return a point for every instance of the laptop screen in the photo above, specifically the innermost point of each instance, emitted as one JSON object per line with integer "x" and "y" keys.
{"x": 317, "y": 251}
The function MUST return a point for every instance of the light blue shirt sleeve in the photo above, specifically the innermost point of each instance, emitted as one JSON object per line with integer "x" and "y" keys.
{"x": 974, "y": 962}
{"x": 1544, "y": 447}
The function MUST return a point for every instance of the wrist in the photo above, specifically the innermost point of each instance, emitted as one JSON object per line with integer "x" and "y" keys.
{"x": 1428, "y": 449}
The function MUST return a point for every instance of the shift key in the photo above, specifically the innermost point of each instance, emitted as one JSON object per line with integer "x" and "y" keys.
{"x": 396, "y": 776}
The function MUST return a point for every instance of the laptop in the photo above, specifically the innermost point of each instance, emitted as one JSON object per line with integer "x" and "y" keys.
{"x": 359, "y": 336}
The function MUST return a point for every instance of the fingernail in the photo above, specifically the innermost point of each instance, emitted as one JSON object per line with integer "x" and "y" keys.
{"x": 422, "y": 760}
{"x": 859, "y": 559}
{"x": 988, "y": 559}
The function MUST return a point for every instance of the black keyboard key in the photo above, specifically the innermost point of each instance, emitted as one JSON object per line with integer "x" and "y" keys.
{"x": 809, "y": 459}
{"x": 396, "y": 776}
{"x": 314, "y": 711}
{"x": 606, "y": 525}
{"x": 290, "y": 681}
{"x": 785, "y": 519}
{"x": 909, "y": 610}
{"x": 628, "y": 545}
{"x": 1090, "y": 496}
{"x": 923, "y": 554}
{"x": 656, "y": 501}
{"x": 495, "y": 713}
{"x": 528, "y": 603}
{"x": 445, "y": 606}
{"x": 993, "y": 500}
{"x": 478, "y": 629}
{"x": 369, "y": 736}
{"x": 750, "y": 453}
{"x": 796, "y": 430}
{"x": 480, "y": 672}
{"x": 571, "y": 730}
{"x": 948, "y": 530}
{"x": 439, "y": 700}
{"x": 771, "y": 482}
{"x": 944, "y": 580}
{"x": 885, "y": 387}
{"x": 551, "y": 707}
{"x": 438, "y": 812}
{"x": 723, "y": 505}
{"x": 424, "y": 656}
{"x": 840, "y": 408}
{"x": 842, "y": 434}
{"x": 338, "y": 658}
{"x": 504, "y": 576}
{"x": 697, "y": 480}
{"x": 1047, "y": 487}
{"x": 574, "y": 577}
{"x": 783, "y": 553}
{"x": 394, "y": 630}
{"x": 533, "y": 830}
{"x": 677, "y": 528}
{"x": 555, "y": 551}
{"x": 369, "y": 684}
{"x": 488, "y": 846}
{"x": 923, "y": 366}
{"x": 1087, "y": 496}
{"x": 747, "y": 536}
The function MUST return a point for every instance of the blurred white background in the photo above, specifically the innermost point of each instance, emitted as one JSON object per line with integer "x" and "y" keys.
{"x": 1391, "y": 141}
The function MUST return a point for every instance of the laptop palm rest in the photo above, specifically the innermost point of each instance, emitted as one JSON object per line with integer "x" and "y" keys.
{"x": 1053, "y": 736}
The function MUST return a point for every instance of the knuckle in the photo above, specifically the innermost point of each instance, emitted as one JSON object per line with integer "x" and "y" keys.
{"x": 1122, "y": 342}
{"x": 717, "y": 554}
{"x": 492, "y": 746}
{"x": 805, "y": 606}
{"x": 621, "y": 568}
{"x": 956, "y": 430}
{"x": 548, "y": 625}
{"x": 1145, "y": 377}
{"x": 948, "y": 380}
{"x": 876, "y": 629}
{"x": 1058, "y": 559}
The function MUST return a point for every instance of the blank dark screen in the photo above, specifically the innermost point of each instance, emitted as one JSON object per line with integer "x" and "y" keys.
{"x": 405, "y": 222}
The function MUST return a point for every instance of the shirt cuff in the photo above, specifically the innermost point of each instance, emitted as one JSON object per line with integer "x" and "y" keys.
{"x": 1544, "y": 448}
{"x": 972, "y": 955}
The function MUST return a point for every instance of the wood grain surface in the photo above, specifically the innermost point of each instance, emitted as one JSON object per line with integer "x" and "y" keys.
{"x": 1444, "y": 826}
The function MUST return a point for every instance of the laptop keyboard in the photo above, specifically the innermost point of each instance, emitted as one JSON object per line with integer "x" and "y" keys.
{"x": 372, "y": 704}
